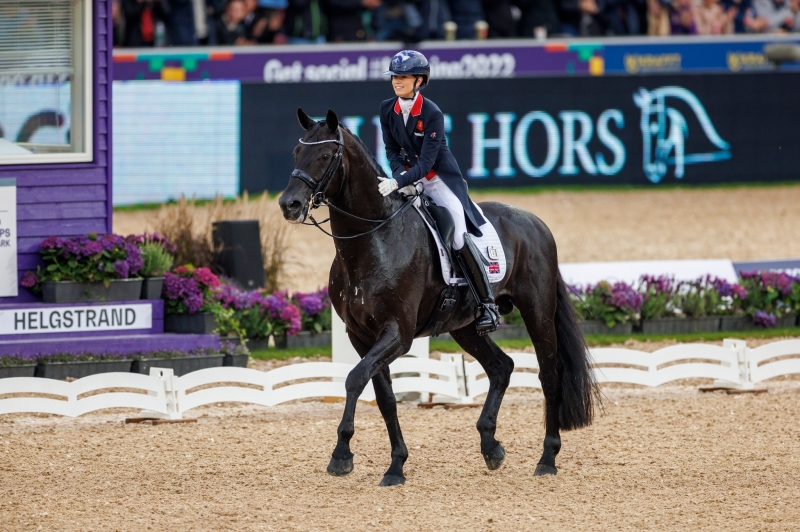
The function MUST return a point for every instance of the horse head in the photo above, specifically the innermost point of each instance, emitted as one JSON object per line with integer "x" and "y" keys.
{"x": 318, "y": 161}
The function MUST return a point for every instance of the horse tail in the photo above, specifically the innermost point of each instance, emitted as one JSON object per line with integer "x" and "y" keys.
{"x": 578, "y": 388}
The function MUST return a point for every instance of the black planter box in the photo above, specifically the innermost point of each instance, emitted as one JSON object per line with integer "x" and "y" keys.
{"x": 200, "y": 323}
{"x": 77, "y": 370}
{"x": 237, "y": 361}
{"x": 735, "y": 323}
{"x": 303, "y": 339}
{"x": 27, "y": 370}
{"x": 600, "y": 327}
{"x": 681, "y": 325}
{"x": 786, "y": 322}
{"x": 179, "y": 365}
{"x": 71, "y": 292}
{"x": 151, "y": 287}
{"x": 258, "y": 344}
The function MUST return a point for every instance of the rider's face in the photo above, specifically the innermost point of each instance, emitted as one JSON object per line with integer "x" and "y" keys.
{"x": 403, "y": 85}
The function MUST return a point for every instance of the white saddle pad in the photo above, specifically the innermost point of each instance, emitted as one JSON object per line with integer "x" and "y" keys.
{"x": 489, "y": 245}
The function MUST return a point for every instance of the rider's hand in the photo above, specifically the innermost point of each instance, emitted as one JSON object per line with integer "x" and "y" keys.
{"x": 386, "y": 186}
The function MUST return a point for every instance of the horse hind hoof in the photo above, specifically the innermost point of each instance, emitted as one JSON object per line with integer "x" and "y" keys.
{"x": 495, "y": 459}
{"x": 340, "y": 468}
{"x": 545, "y": 470}
{"x": 392, "y": 480}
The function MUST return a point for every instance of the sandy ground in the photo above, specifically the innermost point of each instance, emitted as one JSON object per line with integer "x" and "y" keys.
{"x": 736, "y": 223}
{"x": 665, "y": 458}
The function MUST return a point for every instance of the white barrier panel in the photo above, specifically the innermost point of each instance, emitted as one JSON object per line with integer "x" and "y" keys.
{"x": 161, "y": 394}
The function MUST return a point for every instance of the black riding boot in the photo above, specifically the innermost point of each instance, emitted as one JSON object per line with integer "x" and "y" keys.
{"x": 472, "y": 264}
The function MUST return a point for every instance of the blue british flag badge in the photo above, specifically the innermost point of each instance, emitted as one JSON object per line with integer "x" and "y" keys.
{"x": 494, "y": 267}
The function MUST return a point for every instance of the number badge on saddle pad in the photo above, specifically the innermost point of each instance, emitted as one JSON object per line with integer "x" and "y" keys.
{"x": 492, "y": 252}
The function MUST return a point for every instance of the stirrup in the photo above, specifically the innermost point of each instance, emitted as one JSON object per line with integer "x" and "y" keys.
{"x": 489, "y": 319}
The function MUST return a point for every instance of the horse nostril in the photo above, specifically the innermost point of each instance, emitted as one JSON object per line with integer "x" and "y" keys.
{"x": 295, "y": 206}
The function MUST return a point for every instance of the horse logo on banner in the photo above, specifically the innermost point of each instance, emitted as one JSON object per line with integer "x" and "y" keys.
{"x": 664, "y": 131}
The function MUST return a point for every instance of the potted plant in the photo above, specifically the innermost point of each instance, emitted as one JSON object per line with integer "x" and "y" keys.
{"x": 315, "y": 317}
{"x": 285, "y": 318}
{"x": 156, "y": 261}
{"x": 769, "y": 298}
{"x": 87, "y": 268}
{"x": 693, "y": 304}
{"x": 190, "y": 301}
{"x": 81, "y": 364}
{"x": 249, "y": 314}
{"x": 236, "y": 354}
{"x": 607, "y": 308}
{"x": 730, "y": 309}
{"x": 658, "y": 294}
{"x": 17, "y": 365}
{"x": 181, "y": 362}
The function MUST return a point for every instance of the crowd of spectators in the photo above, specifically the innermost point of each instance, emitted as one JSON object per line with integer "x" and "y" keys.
{"x": 139, "y": 23}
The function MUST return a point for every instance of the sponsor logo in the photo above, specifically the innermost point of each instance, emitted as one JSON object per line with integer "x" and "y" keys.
{"x": 738, "y": 61}
{"x": 664, "y": 132}
{"x": 640, "y": 63}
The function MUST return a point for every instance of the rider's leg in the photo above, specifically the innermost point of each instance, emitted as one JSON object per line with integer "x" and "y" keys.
{"x": 469, "y": 256}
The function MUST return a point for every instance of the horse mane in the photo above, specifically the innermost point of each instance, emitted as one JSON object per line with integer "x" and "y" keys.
{"x": 373, "y": 162}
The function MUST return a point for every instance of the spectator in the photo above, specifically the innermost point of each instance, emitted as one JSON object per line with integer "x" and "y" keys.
{"x": 274, "y": 13}
{"x": 580, "y": 17}
{"x": 682, "y": 19}
{"x": 254, "y": 21}
{"x": 434, "y": 14}
{"x": 497, "y": 14}
{"x": 771, "y": 16}
{"x": 351, "y": 20}
{"x": 712, "y": 19}
{"x": 398, "y": 20}
{"x": 230, "y": 27}
{"x": 119, "y": 23}
{"x": 141, "y": 17}
{"x": 180, "y": 22}
{"x": 465, "y": 14}
{"x": 622, "y": 16}
{"x": 305, "y": 23}
{"x": 738, "y": 10}
{"x": 537, "y": 14}
{"x": 795, "y": 7}
{"x": 658, "y": 18}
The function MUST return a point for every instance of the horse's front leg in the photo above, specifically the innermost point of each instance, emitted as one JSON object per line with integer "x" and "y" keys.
{"x": 388, "y": 347}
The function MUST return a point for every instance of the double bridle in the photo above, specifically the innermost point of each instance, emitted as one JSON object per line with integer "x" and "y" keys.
{"x": 318, "y": 189}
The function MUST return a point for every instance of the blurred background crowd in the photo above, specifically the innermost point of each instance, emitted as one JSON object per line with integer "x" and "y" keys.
{"x": 141, "y": 23}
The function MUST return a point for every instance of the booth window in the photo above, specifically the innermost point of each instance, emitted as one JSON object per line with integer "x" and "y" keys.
{"x": 45, "y": 81}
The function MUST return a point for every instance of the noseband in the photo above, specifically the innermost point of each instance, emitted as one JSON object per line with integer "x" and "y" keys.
{"x": 318, "y": 189}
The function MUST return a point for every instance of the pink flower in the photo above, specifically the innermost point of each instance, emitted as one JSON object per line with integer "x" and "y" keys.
{"x": 29, "y": 280}
{"x": 204, "y": 276}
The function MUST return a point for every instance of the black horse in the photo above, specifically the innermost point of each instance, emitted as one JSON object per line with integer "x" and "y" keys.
{"x": 385, "y": 284}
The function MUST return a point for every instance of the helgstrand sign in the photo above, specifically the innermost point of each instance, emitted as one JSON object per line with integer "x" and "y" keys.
{"x": 75, "y": 319}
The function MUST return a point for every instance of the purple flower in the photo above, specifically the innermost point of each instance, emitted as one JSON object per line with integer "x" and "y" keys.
{"x": 121, "y": 269}
{"x": 291, "y": 315}
{"x": 764, "y": 319}
{"x": 134, "y": 258}
{"x": 29, "y": 280}
{"x": 92, "y": 248}
{"x": 311, "y": 304}
{"x": 624, "y": 296}
{"x": 51, "y": 242}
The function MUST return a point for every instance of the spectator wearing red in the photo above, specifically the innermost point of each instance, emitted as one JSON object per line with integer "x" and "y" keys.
{"x": 141, "y": 17}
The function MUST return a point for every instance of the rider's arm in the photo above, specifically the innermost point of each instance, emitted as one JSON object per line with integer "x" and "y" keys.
{"x": 392, "y": 149}
{"x": 431, "y": 143}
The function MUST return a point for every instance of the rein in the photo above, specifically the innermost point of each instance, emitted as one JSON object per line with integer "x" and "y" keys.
{"x": 318, "y": 189}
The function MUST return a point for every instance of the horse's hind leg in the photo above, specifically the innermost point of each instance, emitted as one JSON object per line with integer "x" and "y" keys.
{"x": 388, "y": 407}
{"x": 498, "y": 367}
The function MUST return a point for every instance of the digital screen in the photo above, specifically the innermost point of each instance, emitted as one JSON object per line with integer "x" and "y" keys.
{"x": 175, "y": 138}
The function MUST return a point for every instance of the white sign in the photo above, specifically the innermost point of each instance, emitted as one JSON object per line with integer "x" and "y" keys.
{"x": 583, "y": 273}
{"x": 8, "y": 238}
{"x": 75, "y": 319}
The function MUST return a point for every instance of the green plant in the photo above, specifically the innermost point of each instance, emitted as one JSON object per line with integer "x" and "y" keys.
{"x": 156, "y": 260}
{"x": 228, "y": 324}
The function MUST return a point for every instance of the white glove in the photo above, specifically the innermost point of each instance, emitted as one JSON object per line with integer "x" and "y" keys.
{"x": 408, "y": 190}
{"x": 386, "y": 185}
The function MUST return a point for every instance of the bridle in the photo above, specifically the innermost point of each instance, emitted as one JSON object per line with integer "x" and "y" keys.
{"x": 318, "y": 189}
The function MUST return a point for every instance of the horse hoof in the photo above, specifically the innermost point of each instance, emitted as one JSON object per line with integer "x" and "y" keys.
{"x": 544, "y": 469}
{"x": 392, "y": 480}
{"x": 495, "y": 459}
{"x": 340, "y": 468}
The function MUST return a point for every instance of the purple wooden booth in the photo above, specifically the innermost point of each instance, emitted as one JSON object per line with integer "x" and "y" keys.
{"x": 70, "y": 198}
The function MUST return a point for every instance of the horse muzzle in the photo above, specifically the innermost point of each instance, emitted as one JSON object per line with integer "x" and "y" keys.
{"x": 294, "y": 210}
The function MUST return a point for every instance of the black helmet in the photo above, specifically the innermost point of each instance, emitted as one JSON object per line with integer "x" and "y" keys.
{"x": 410, "y": 62}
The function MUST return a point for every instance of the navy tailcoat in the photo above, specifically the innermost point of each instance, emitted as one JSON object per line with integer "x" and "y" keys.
{"x": 420, "y": 147}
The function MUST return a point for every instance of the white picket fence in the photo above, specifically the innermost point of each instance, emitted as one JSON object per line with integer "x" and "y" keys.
{"x": 451, "y": 379}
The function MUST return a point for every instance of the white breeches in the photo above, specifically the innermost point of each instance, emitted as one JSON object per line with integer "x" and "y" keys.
{"x": 444, "y": 197}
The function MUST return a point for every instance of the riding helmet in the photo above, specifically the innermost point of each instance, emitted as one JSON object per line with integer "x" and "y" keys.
{"x": 410, "y": 62}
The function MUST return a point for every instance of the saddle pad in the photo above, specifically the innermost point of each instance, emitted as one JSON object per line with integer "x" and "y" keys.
{"x": 489, "y": 245}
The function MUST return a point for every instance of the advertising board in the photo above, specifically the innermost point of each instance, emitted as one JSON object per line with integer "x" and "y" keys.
{"x": 523, "y": 132}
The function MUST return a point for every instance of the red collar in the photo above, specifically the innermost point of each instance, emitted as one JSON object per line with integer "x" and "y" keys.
{"x": 416, "y": 109}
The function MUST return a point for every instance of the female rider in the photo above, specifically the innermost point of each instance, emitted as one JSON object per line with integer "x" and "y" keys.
{"x": 413, "y": 132}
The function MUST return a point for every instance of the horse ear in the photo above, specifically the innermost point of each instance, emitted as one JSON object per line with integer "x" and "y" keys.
{"x": 332, "y": 120}
{"x": 305, "y": 120}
